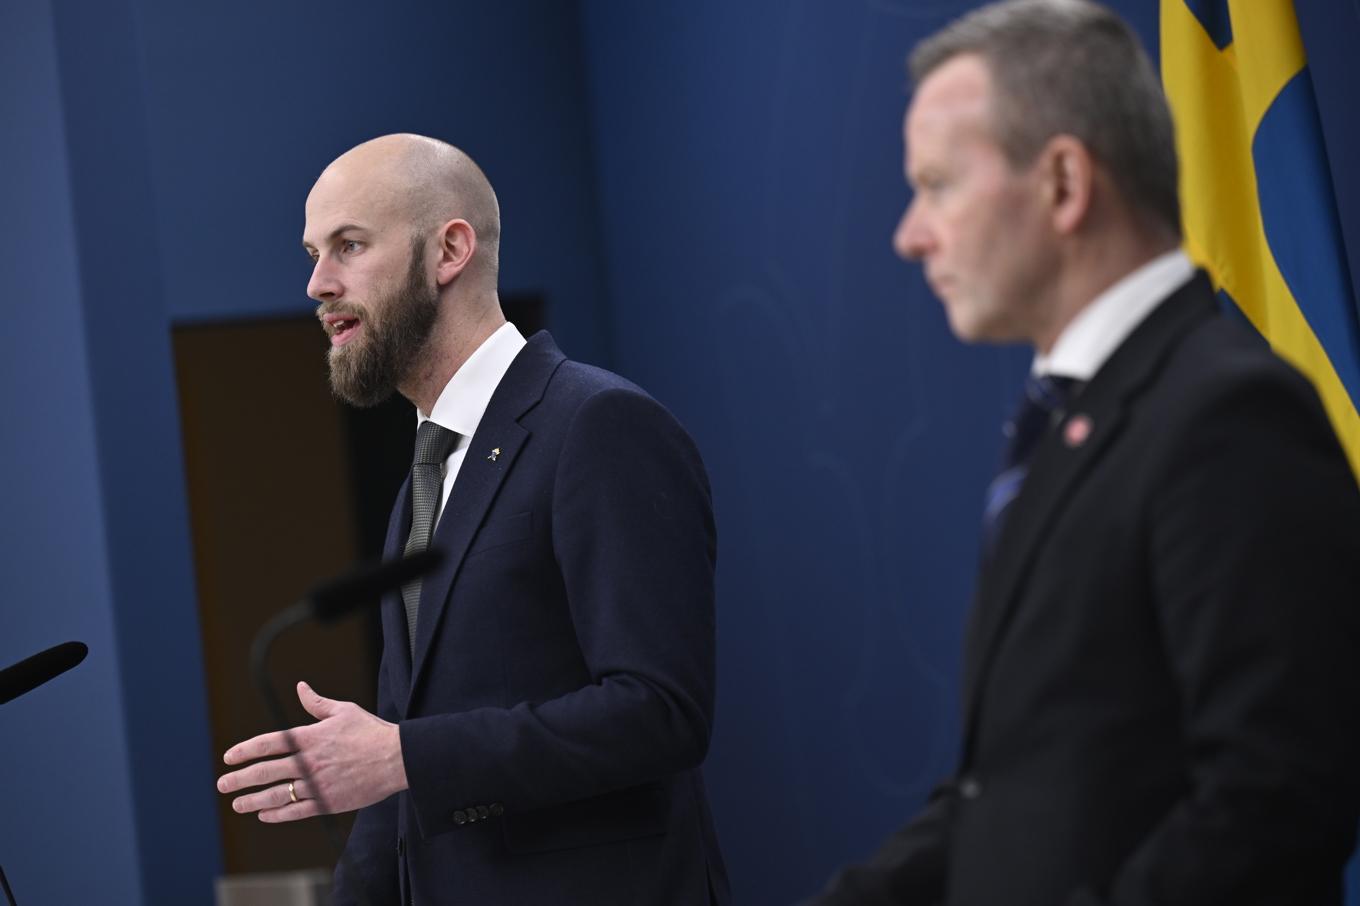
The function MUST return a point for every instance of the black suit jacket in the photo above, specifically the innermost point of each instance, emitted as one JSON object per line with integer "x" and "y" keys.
{"x": 1162, "y": 668}
{"x": 561, "y": 697}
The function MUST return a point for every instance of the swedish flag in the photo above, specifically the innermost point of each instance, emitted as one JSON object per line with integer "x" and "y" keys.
{"x": 1259, "y": 209}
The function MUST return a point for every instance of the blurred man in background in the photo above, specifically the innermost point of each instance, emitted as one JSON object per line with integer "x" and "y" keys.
{"x": 1160, "y": 674}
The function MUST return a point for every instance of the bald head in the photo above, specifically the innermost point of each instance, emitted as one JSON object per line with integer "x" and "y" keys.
{"x": 403, "y": 232}
{"x": 419, "y": 181}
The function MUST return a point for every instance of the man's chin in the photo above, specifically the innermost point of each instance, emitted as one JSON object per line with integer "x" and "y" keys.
{"x": 360, "y": 397}
{"x": 350, "y": 384}
{"x": 968, "y": 327}
{"x": 964, "y": 328}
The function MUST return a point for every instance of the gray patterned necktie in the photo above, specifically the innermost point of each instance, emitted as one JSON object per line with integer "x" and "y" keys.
{"x": 433, "y": 445}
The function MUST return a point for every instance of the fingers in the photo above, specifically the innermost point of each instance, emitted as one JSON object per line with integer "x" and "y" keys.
{"x": 294, "y": 811}
{"x": 273, "y": 797}
{"x": 339, "y": 746}
{"x": 261, "y": 773}
{"x": 262, "y": 746}
{"x": 279, "y": 803}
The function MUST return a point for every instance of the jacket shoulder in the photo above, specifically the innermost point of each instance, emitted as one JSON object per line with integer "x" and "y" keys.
{"x": 581, "y": 381}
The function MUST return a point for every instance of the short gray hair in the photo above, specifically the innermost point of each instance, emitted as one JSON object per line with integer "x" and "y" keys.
{"x": 1070, "y": 67}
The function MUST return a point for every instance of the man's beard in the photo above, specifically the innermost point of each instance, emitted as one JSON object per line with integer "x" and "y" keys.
{"x": 396, "y": 328}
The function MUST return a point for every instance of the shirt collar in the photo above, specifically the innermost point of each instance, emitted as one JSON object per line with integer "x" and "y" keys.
{"x": 465, "y": 397}
{"x": 1098, "y": 329}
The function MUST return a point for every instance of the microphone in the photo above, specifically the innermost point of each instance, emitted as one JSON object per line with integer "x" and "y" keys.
{"x": 27, "y": 675}
{"x": 335, "y": 598}
{"x": 32, "y": 672}
{"x": 332, "y": 599}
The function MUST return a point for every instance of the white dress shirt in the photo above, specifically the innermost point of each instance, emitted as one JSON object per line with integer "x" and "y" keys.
{"x": 464, "y": 399}
{"x": 1098, "y": 329}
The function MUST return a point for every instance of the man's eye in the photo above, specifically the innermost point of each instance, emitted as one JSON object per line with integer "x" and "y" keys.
{"x": 349, "y": 246}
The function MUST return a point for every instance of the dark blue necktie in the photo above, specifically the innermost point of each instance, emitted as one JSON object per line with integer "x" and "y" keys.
{"x": 1045, "y": 398}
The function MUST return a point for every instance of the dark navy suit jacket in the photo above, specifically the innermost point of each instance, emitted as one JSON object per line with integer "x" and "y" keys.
{"x": 561, "y": 697}
{"x": 1162, "y": 669}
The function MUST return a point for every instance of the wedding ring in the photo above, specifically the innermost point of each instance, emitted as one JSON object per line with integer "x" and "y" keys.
{"x": 292, "y": 793}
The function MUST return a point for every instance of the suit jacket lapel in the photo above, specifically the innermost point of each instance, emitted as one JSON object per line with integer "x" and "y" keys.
{"x": 480, "y": 477}
{"x": 393, "y": 612}
{"x": 1055, "y": 472}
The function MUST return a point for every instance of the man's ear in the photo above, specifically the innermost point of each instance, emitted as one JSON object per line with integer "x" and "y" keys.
{"x": 457, "y": 245}
{"x": 1067, "y": 179}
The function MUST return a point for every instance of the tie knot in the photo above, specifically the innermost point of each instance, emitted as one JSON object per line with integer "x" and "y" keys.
{"x": 433, "y": 443}
{"x": 1049, "y": 392}
{"x": 1044, "y": 396}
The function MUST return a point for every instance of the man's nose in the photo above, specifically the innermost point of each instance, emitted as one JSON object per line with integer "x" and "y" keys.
{"x": 324, "y": 286}
{"x": 911, "y": 239}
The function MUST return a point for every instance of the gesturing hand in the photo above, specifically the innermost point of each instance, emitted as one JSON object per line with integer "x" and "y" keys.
{"x": 351, "y": 758}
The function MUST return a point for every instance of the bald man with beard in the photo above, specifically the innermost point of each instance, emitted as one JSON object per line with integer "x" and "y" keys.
{"x": 545, "y": 697}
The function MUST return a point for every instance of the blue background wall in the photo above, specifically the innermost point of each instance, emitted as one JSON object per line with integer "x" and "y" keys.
{"x": 65, "y": 757}
{"x": 703, "y": 192}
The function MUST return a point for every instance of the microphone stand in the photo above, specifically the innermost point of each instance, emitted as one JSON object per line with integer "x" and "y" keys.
{"x": 9, "y": 894}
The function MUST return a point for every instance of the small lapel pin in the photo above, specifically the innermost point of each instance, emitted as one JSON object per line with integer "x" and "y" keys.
{"x": 494, "y": 453}
{"x": 1077, "y": 430}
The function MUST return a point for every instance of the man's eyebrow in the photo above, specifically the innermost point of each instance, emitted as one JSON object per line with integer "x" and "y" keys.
{"x": 343, "y": 228}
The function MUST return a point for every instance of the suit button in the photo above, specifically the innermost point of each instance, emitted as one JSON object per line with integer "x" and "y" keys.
{"x": 482, "y": 812}
{"x": 497, "y": 809}
{"x": 970, "y": 787}
{"x": 401, "y": 846}
{"x": 460, "y": 818}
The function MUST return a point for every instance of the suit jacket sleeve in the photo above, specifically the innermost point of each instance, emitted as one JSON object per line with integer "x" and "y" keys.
{"x": 908, "y": 869}
{"x": 633, "y": 533}
{"x": 1256, "y": 588}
